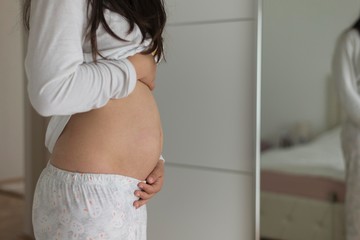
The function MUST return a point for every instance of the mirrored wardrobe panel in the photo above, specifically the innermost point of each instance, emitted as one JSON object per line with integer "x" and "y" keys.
{"x": 302, "y": 167}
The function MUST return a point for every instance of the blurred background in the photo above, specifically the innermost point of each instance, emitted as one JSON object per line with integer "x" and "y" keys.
{"x": 302, "y": 166}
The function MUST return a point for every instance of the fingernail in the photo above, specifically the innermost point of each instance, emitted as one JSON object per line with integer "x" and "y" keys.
{"x": 141, "y": 186}
{"x": 137, "y": 194}
{"x": 150, "y": 180}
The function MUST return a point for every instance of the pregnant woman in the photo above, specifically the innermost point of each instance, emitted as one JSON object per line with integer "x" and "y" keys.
{"x": 91, "y": 66}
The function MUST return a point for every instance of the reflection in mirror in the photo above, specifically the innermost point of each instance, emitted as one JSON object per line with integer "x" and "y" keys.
{"x": 302, "y": 165}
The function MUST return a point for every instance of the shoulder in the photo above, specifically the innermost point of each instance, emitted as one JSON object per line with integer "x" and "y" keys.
{"x": 349, "y": 38}
{"x": 347, "y": 44}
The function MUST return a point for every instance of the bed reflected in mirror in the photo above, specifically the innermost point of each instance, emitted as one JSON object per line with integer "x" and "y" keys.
{"x": 302, "y": 167}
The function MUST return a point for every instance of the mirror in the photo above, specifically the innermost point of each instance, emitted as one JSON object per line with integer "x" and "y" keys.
{"x": 302, "y": 166}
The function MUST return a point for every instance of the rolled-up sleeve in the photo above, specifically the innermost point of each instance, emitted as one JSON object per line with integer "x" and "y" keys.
{"x": 59, "y": 81}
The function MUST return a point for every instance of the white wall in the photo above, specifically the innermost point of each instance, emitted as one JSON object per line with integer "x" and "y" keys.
{"x": 206, "y": 96}
{"x": 11, "y": 92}
{"x": 298, "y": 43}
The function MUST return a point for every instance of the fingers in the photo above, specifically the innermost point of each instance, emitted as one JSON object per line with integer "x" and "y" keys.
{"x": 145, "y": 68}
{"x": 149, "y": 82}
{"x": 157, "y": 173}
{"x": 139, "y": 203}
{"x": 155, "y": 187}
{"x": 147, "y": 191}
{"x": 143, "y": 198}
{"x": 152, "y": 85}
{"x": 152, "y": 186}
{"x": 144, "y": 195}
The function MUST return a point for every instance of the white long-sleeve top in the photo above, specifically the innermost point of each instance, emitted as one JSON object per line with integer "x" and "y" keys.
{"x": 346, "y": 70}
{"x": 62, "y": 78}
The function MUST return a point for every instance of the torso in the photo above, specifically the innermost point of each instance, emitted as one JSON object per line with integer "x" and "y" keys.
{"x": 123, "y": 137}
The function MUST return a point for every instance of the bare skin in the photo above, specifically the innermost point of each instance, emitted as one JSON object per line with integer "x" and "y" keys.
{"x": 152, "y": 186}
{"x": 123, "y": 137}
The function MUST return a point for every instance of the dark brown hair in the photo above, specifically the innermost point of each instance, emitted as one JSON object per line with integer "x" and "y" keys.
{"x": 149, "y": 15}
{"x": 356, "y": 25}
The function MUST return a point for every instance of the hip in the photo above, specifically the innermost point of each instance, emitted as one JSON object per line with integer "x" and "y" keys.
{"x": 71, "y": 205}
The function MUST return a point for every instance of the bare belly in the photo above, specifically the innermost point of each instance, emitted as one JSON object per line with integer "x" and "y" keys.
{"x": 123, "y": 137}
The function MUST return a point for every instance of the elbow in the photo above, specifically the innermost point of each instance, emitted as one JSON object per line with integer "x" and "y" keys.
{"x": 44, "y": 91}
{"x": 41, "y": 105}
{"x": 37, "y": 97}
{"x": 42, "y": 100}
{"x": 44, "y": 111}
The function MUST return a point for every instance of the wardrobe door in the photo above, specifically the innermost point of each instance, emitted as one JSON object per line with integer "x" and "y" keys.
{"x": 189, "y": 11}
{"x": 202, "y": 204}
{"x": 204, "y": 91}
{"x": 206, "y": 96}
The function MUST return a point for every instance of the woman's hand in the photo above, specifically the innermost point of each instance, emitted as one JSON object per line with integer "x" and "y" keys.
{"x": 145, "y": 67}
{"x": 152, "y": 186}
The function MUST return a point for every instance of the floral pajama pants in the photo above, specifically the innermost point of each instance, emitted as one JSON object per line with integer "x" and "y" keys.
{"x": 70, "y": 205}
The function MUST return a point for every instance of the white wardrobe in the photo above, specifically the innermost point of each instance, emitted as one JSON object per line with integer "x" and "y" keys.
{"x": 206, "y": 95}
